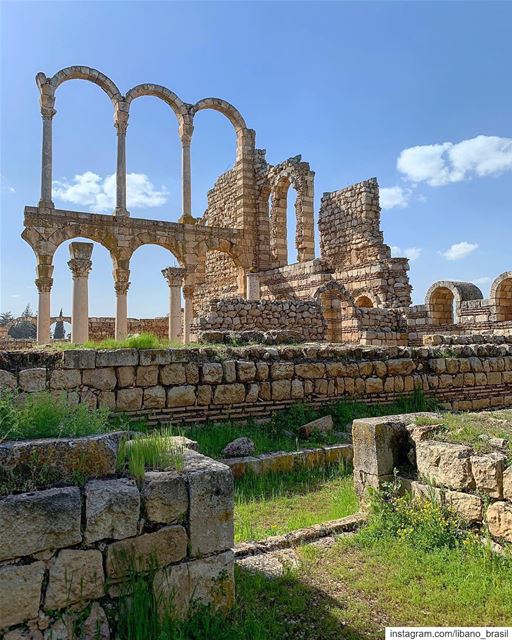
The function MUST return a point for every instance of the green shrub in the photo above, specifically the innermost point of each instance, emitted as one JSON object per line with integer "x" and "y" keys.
{"x": 149, "y": 452}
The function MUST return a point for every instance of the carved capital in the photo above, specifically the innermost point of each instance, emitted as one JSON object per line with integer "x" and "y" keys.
{"x": 185, "y": 130}
{"x": 121, "y": 282}
{"x": 80, "y": 267}
{"x": 47, "y": 103}
{"x": 44, "y": 285}
{"x": 188, "y": 291}
{"x": 174, "y": 276}
{"x": 121, "y": 120}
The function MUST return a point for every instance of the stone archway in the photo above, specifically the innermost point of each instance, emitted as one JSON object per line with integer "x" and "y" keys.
{"x": 501, "y": 297}
{"x": 339, "y": 311}
{"x": 444, "y": 298}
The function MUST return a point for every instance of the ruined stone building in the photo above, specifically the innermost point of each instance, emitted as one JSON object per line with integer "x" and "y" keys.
{"x": 234, "y": 273}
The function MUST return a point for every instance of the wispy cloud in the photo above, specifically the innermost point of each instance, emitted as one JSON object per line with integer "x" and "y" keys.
{"x": 482, "y": 280}
{"x": 413, "y": 253}
{"x": 459, "y": 250}
{"x": 99, "y": 194}
{"x": 448, "y": 162}
{"x": 391, "y": 197}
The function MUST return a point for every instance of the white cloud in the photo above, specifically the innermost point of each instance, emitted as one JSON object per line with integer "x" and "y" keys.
{"x": 412, "y": 252}
{"x": 440, "y": 164}
{"x": 459, "y": 250}
{"x": 99, "y": 194}
{"x": 482, "y": 280}
{"x": 394, "y": 197}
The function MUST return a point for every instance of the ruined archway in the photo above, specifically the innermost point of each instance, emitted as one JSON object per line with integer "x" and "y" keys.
{"x": 364, "y": 301}
{"x": 339, "y": 311}
{"x": 444, "y": 298}
{"x": 501, "y": 297}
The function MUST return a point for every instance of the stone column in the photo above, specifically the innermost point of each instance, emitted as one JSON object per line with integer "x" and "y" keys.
{"x": 186, "y": 129}
{"x": 121, "y": 123}
{"x": 80, "y": 265}
{"x": 174, "y": 277}
{"x": 188, "y": 292}
{"x": 44, "y": 286}
{"x": 121, "y": 285}
{"x": 253, "y": 286}
{"x": 47, "y": 102}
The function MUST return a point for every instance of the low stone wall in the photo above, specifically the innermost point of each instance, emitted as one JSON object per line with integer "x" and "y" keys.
{"x": 304, "y": 317}
{"x": 437, "y": 339}
{"x": 477, "y": 487}
{"x": 192, "y": 385}
{"x": 68, "y": 553}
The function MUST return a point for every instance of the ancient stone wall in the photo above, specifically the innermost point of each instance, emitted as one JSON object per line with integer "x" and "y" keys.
{"x": 220, "y": 383}
{"x": 478, "y": 487}
{"x": 68, "y": 553}
{"x": 352, "y": 244}
{"x": 294, "y": 281}
{"x": 304, "y": 317}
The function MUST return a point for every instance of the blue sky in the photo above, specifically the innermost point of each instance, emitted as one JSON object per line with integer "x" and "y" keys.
{"x": 414, "y": 93}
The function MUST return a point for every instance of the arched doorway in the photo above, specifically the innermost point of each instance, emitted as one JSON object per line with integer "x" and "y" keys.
{"x": 501, "y": 296}
{"x": 364, "y": 301}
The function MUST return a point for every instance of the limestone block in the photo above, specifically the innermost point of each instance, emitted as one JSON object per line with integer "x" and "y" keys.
{"x": 507, "y": 483}
{"x": 335, "y": 453}
{"x": 376, "y": 442}
{"x": 229, "y": 394}
{"x": 212, "y": 581}
{"x": 147, "y": 376}
{"x": 281, "y": 370}
{"x": 212, "y": 372}
{"x": 91, "y": 455}
{"x": 171, "y": 588}
{"x": 466, "y": 505}
{"x": 125, "y": 376}
{"x": 499, "y": 520}
{"x": 32, "y": 380}
{"x": 154, "y": 356}
{"x": 252, "y": 393}
{"x": 445, "y": 464}
{"x": 31, "y": 522}
{"x": 229, "y": 368}
{"x": 297, "y": 389}
{"x": 488, "y": 473}
{"x": 211, "y": 504}
{"x": 192, "y": 373}
{"x": 117, "y": 358}
{"x": 129, "y": 399}
{"x": 321, "y": 425}
{"x": 154, "y": 397}
{"x": 204, "y": 394}
{"x": 107, "y": 399}
{"x": 111, "y": 509}
{"x": 96, "y": 626}
{"x": 165, "y": 496}
{"x": 103, "y": 379}
{"x": 246, "y": 371}
{"x": 281, "y": 389}
{"x": 262, "y": 371}
{"x": 79, "y": 359}
{"x": 7, "y": 380}
{"x": 310, "y": 370}
{"x": 20, "y": 587}
{"x": 173, "y": 374}
{"x": 75, "y": 576}
{"x": 146, "y": 552}
{"x": 183, "y": 396}
{"x": 374, "y": 385}
{"x": 65, "y": 379}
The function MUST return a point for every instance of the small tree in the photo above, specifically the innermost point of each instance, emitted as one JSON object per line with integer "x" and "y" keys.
{"x": 5, "y": 318}
{"x": 27, "y": 313}
{"x": 59, "y": 332}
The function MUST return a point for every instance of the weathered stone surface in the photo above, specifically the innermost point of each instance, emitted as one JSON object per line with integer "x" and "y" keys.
{"x": 488, "y": 473}
{"x": 154, "y": 356}
{"x": 148, "y": 551}
{"x": 165, "y": 496}
{"x": 79, "y": 359}
{"x": 96, "y": 626}
{"x": 281, "y": 389}
{"x": 211, "y": 504}
{"x": 468, "y": 506}
{"x": 147, "y": 376}
{"x": 91, "y": 456}
{"x": 212, "y": 581}
{"x": 507, "y": 483}
{"x": 20, "y": 589}
{"x": 229, "y": 369}
{"x": 173, "y": 374}
{"x": 321, "y": 425}
{"x": 229, "y": 394}
{"x": 445, "y": 464}
{"x": 117, "y": 358}
{"x": 334, "y": 453}
{"x": 32, "y": 380}
{"x": 129, "y": 399}
{"x": 125, "y": 376}
{"x": 7, "y": 380}
{"x": 499, "y": 520}
{"x": 246, "y": 371}
{"x": 310, "y": 370}
{"x": 281, "y": 370}
{"x": 31, "y": 522}
{"x": 75, "y": 576}
{"x": 111, "y": 509}
{"x": 103, "y": 379}
{"x": 377, "y": 443}
{"x": 171, "y": 587}
{"x": 239, "y": 447}
{"x": 154, "y": 397}
{"x": 65, "y": 378}
{"x": 212, "y": 372}
{"x": 183, "y": 396}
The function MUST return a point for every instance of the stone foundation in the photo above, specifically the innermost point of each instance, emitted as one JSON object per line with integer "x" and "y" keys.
{"x": 68, "y": 553}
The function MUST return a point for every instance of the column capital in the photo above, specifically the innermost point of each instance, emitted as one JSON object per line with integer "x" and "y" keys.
{"x": 80, "y": 267}
{"x": 44, "y": 284}
{"x": 188, "y": 291}
{"x": 121, "y": 119}
{"x": 47, "y": 104}
{"x": 174, "y": 276}
{"x": 185, "y": 131}
{"x": 121, "y": 281}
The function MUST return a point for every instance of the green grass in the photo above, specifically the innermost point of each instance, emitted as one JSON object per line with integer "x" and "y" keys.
{"x": 277, "y": 503}
{"x": 42, "y": 415}
{"x": 467, "y": 428}
{"x": 150, "y": 452}
{"x": 142, "y": 341}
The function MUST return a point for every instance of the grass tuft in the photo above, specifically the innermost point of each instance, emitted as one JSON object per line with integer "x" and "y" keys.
{"x": 152, "y": 452}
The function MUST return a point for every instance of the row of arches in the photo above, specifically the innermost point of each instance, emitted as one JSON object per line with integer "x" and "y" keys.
{"x": 184, "y": 113}
{"x": 444, "y": 299}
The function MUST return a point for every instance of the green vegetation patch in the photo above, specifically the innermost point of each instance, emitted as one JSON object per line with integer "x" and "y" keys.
{"x": 277, "y": 503}
{"x": 150, "y": 452}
